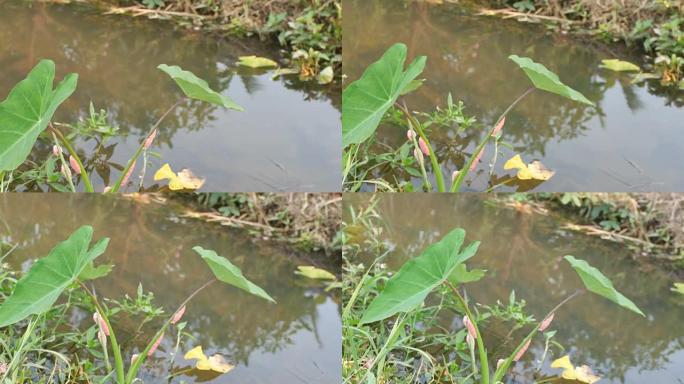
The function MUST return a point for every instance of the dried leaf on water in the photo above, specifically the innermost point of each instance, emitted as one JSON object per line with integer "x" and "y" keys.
{"x": 582, "y": 373}
{"x": 618, "y": 65}
{"x": 314, "y": 273}
{"x": 214, "y": 363}
{"x": 185, "y": 179}
{"x": 256, "y": 62}
{"x": 533, "y": 171}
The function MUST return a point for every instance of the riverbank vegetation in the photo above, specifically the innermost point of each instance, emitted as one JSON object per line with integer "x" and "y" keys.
{"x": 655, "y": 27}
{"x": 421, "y": 324}
{"x": 308, "y": 221}
{"x": 310, "y": 31}
{"x": 651, "y": 224}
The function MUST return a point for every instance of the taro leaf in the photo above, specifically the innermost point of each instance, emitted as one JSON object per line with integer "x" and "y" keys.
{"x": 596, "y": 282}
{"x": 419, "y": 276}
{"x": 27, "y": 111}
{"x": 461, "y": 275}
{"x": 38, "y": 290}
{"x": 546, "y": 80}
{"x": 412, "y": 86}
{"x": 312, "y": 272}
{"x": 196, "y": 88}
{"x": 618, "y": 65}
{"x": 91, "y": 272}
{"x": 365, "y": 101}
{"x": 225, "y": 271}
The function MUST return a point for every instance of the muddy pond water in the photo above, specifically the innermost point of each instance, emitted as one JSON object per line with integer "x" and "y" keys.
{"x": 288, "y": 138}
{"x": 297, "y": 340}
{"x": 631, "y": 140}
{"x": 523, "y": 251}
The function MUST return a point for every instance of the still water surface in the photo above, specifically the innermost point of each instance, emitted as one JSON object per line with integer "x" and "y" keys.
{"x": 523, "y": 251}
{"x": 297, "y": 340}
{"x": 632, "y": 140}
{"x": 288, "y": 138}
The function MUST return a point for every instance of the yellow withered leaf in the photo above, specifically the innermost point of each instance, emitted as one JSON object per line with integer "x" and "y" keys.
{"x": 582, "y": 373}
{"x": 314, "y": 273}
{"x": 585, "y": 375}
{"x": 533, "y": 171}
{"x": 185, "y": 179}
{"x": 515, "y": 162}
{"x": 256, "y": 62}
{"x": 214, "y": 363}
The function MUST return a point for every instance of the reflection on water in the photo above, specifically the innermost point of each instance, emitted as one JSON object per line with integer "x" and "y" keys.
{"x": 297, "y": 340}
{"x": 288, "y": 138}
{"x": 523, "y": 251}
{"x": 630, "y": 141}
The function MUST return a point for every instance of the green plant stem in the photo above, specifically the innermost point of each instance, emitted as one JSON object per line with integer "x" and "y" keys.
{"x": 436, "y": 169}
{"x": 501, "y": 371}
{"x": 357, "y": 289}
{"x": 108, "y": 364}
{"x": 20, "y": 350}
{"x": 64, "y": 163}
{"x": 84, "y": 174}
{"x": 138, "y": 151}
{"x": 421, "y": 162}
{"x": 118, "y": 360}
{"x": 456, "y": 184}
{"x": 482, "y": 352}
{"x": 133, "y": 371}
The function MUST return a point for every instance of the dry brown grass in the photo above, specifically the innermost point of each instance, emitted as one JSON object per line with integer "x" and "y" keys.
{"x": 655, "y": 223}
{"x": 616, "y": 17}
{"x": 249, "y": 14}
{"x": 308, "y": 220}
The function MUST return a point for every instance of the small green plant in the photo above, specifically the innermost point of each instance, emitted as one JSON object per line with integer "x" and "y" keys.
{"x": 366, "y": 102}
{"x": 70, "y": 265}
{"x": 441, "y": 268}
{"x": 28, "y": 110}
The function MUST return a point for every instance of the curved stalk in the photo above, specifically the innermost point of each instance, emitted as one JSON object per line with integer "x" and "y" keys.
{"x": 64, "y": 164}
{"x": 118, "y": 360}
{"x": 482, "y": 352}
{"x": 501, "y": 371}
{"x": 456, "y": 184}
{"x": 138, "y": 151}
{"x": 133, "y": 370}
{"x": 436, "y": 169}
{"x": 422, "y": 165}
{"x": 84, "y": 174}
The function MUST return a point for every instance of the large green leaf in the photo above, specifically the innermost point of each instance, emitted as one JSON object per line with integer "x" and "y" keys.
{"x": 365, "y": 101}
{"x": 28, "y": 109}
{"x": 596, "y": 282}
{"x": 546, "y": 80}
{"x": 38, "y": 290}
{"x": 419, "y": 276}
{"x": 196, "y": 88}
{"x": 227, "y": 272}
